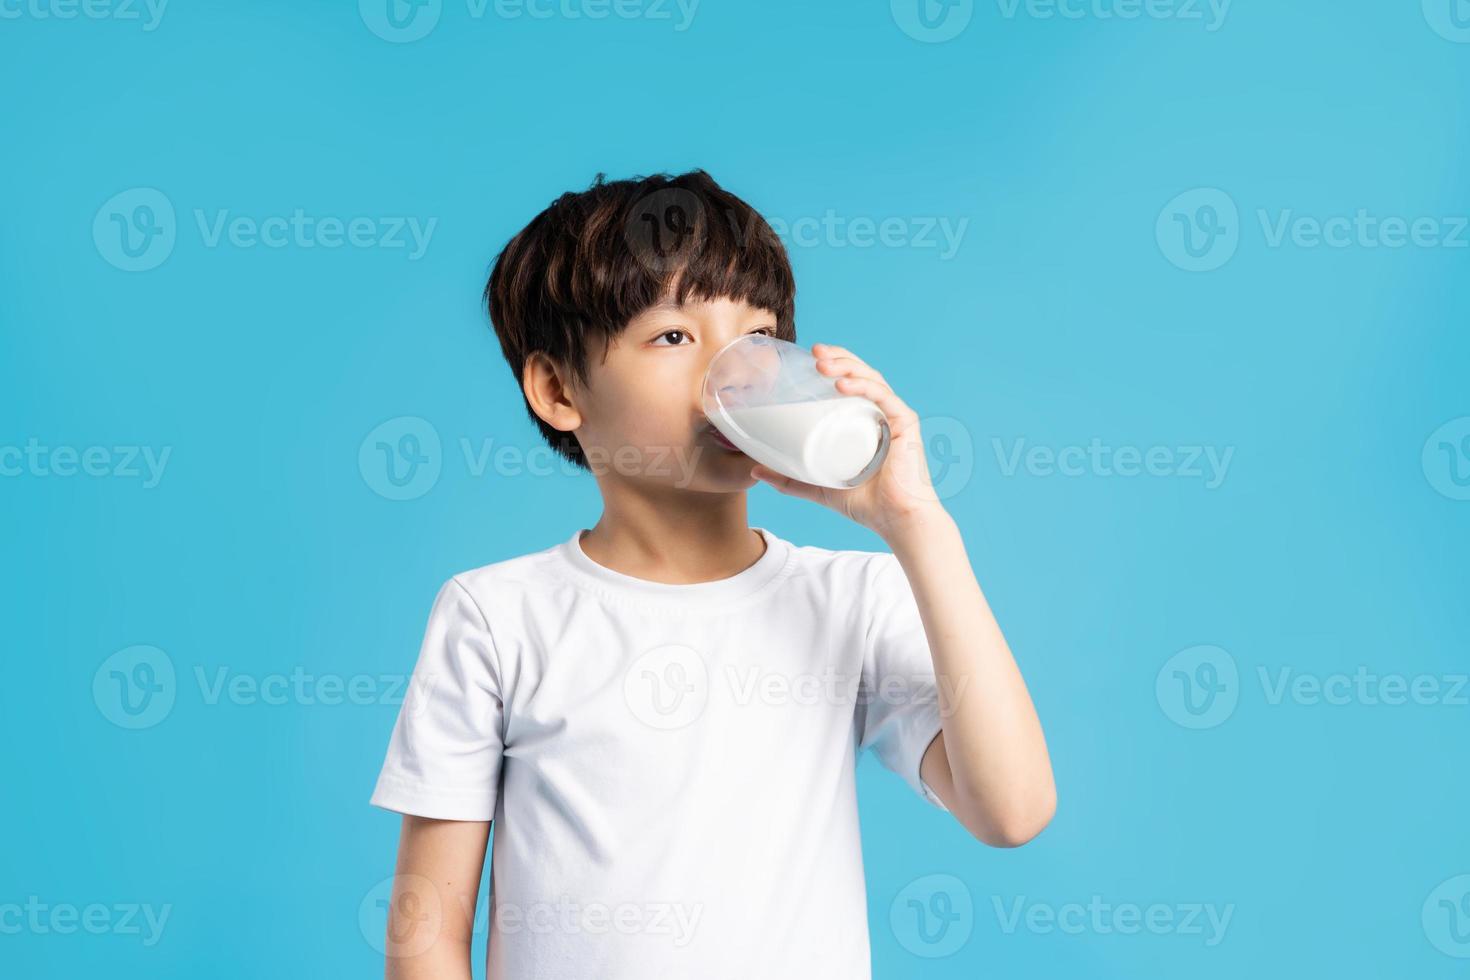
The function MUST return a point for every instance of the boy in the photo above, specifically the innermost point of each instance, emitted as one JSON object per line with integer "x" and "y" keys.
{"x": 661, "y": 714}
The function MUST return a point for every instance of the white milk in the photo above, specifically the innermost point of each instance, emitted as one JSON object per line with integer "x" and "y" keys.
{"x": 826, "y": 442}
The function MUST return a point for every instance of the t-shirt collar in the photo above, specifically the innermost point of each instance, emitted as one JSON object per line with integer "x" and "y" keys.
{"x": 767, "y": 568}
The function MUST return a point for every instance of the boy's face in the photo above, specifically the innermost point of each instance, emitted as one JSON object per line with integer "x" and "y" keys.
{"x": 641, "y": 415}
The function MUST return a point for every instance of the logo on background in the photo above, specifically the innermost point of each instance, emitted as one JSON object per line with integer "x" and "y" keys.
{"x": 1198, "y": 687}
{"x": 1446, "y": 459}
{"x": 1199, "y": 230}
{"x": 666, "y": 229}
{"x": 948, "y": 458}
{"x": 400, "y": 21}
{"x": 415, "y": 919}
{"x": 135, "y": 688}
{"x": 1446, "y": 917}
{"x": 1449, "y": 18}
{"x": 401, "y": 459}
{"x": 667, "y": 687}
{"x": 932, "y": 21}
{"x": 932, "y": 916}
{"x": 950, "y": 453}
{"x": 136, "y": 229}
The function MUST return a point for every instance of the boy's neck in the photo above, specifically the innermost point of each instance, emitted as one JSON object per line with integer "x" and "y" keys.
{"x": 699, "y": 538}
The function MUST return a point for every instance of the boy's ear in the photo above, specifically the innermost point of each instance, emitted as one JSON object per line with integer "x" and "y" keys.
{"x": 547, "y": 388}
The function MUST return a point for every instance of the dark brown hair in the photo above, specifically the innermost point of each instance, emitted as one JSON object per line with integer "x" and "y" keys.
{"x": 593, "y": 260}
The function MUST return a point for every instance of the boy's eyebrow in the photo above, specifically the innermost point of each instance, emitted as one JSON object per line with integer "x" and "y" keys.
{"x": 669, "y": 306}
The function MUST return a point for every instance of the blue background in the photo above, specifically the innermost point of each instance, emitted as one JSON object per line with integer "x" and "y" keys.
{"x": 1336, "y": 540}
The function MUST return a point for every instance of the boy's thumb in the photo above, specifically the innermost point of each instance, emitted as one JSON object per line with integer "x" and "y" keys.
{"x": 788, "y": 486}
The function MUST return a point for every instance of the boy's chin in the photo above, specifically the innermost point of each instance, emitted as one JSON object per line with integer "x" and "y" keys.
{"x": 699, "y": 469}
{"x": 720, "y": 471}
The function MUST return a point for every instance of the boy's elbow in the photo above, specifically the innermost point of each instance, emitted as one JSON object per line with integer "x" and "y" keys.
{"x": 1015, "y": 835}
{"x": 1020, "y": 827}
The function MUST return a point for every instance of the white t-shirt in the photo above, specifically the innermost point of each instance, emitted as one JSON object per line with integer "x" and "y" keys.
{"x": 670, "y": 768}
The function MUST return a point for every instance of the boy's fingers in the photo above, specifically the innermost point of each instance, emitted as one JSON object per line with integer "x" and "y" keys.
{"x": 842, "y": 357}
{"x": 787, "y": 485}
{"x": 848, "y": 366}
{"x": 900, "y": 416}
{"x": 832, "y": 350}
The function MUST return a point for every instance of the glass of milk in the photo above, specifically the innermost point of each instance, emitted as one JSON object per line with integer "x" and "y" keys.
{"x": 767, "y": 397}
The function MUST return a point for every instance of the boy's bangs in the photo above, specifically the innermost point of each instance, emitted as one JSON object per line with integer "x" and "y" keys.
{"x": 727, "y": 261}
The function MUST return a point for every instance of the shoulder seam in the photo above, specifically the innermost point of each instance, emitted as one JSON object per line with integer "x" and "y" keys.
{"x": 484, "y": 620}
{"x": 494, "y": 652}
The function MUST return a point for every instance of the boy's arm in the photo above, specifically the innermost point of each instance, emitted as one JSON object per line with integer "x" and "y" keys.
{"x": 989, "y": 765}
{"x": 431, "y": 914}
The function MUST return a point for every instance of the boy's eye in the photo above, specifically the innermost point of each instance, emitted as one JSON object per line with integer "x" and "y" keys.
{"x": 768, "y": 331}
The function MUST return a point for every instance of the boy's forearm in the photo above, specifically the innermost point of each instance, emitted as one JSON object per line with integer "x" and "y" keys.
{"x": 443, "y": 962}
{"x": 431, "y": 912}
{"x": 1000, "y": 779}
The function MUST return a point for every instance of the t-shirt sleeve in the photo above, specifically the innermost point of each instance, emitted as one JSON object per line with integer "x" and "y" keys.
{"x": 899, "y": 694}
{"x": 445, "y": 753}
